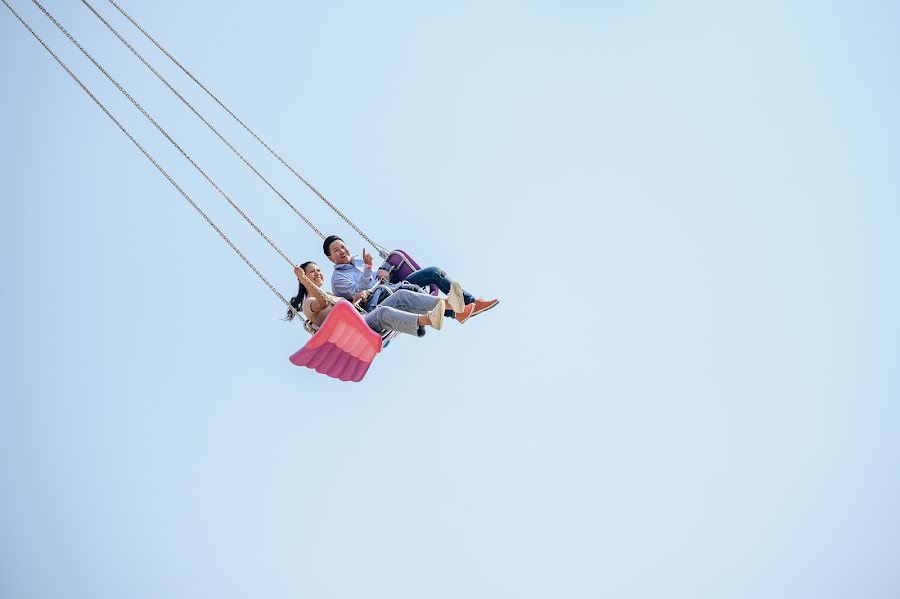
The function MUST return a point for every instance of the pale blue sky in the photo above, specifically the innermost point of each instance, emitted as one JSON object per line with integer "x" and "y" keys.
{"x": 689, "y": 390}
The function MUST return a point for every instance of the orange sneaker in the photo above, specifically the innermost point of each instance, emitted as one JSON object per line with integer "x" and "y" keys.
{"x": 465, "y": 314}
{"x": 483, "y": 305}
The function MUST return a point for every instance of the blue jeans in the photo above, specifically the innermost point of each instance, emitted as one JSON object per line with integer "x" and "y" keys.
{"x": 400, "y": 312}
{"x": 433, "y": 275}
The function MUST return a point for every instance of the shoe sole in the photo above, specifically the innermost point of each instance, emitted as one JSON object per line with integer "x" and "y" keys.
{"x": 466, "y": 318}
{"x": 483, "y": 310}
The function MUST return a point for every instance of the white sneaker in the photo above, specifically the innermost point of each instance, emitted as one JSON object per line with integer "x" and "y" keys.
{"x": 455, "y": 298}
{"x": 436, "y": 316}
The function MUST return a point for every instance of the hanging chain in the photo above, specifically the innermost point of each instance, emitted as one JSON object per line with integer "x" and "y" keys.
{"x": 163, "y": 131}
{"x": 151, "y": 159}
{"x": 379, "y": 248}
{"x": 205, "y": 122}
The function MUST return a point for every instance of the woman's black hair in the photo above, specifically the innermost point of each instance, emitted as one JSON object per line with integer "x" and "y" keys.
{"x": 297, "y": 300}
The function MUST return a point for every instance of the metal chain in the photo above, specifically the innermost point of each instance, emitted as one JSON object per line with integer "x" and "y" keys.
{"x": 151, "y": 159}
{"x": 205, "y": 122}
{"x": 383, "y": 252}
{"x": 163, "y": 131}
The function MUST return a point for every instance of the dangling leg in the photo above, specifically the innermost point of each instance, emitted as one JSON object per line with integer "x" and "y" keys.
{"x": 410, "y": 301}
{"x": 385, "y": 318}
{"x": 433, "y": 275}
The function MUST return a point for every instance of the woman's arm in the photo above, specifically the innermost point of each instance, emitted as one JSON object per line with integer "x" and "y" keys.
{"x": 320, "y": 300}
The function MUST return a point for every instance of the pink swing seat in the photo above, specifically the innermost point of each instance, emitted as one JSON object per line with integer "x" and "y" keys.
{"x": 343, "y": 347}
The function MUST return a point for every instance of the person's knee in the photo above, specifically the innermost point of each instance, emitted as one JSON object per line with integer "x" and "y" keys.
{"x": 374, "y": 318}
{"x": 436, "y": 273}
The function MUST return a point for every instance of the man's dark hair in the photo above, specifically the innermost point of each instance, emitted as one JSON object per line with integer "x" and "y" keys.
{"x": 326, "y": 245}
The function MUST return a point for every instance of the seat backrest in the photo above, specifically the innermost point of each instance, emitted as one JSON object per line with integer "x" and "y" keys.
{"x": 403, "y": 265}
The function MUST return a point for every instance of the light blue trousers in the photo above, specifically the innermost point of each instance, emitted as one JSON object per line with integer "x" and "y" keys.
{"x": 400, "y": 312}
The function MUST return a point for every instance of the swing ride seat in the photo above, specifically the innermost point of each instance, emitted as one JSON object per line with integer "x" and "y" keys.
{"x": 343, "y": 347}
{"x": 403, "y": 265}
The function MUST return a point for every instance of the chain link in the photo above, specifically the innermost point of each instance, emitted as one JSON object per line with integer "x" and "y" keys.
{"x": 382, "y": 251}
{"x": 163, "y": 131}
{"x": 205, "y": 122}
{"x": 151, "y": 159}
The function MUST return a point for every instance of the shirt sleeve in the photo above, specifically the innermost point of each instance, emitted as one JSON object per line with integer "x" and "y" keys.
{"x": 368, "y": 278}
{"x": 343, "y": 285}
{"x": 348, "y": 282}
